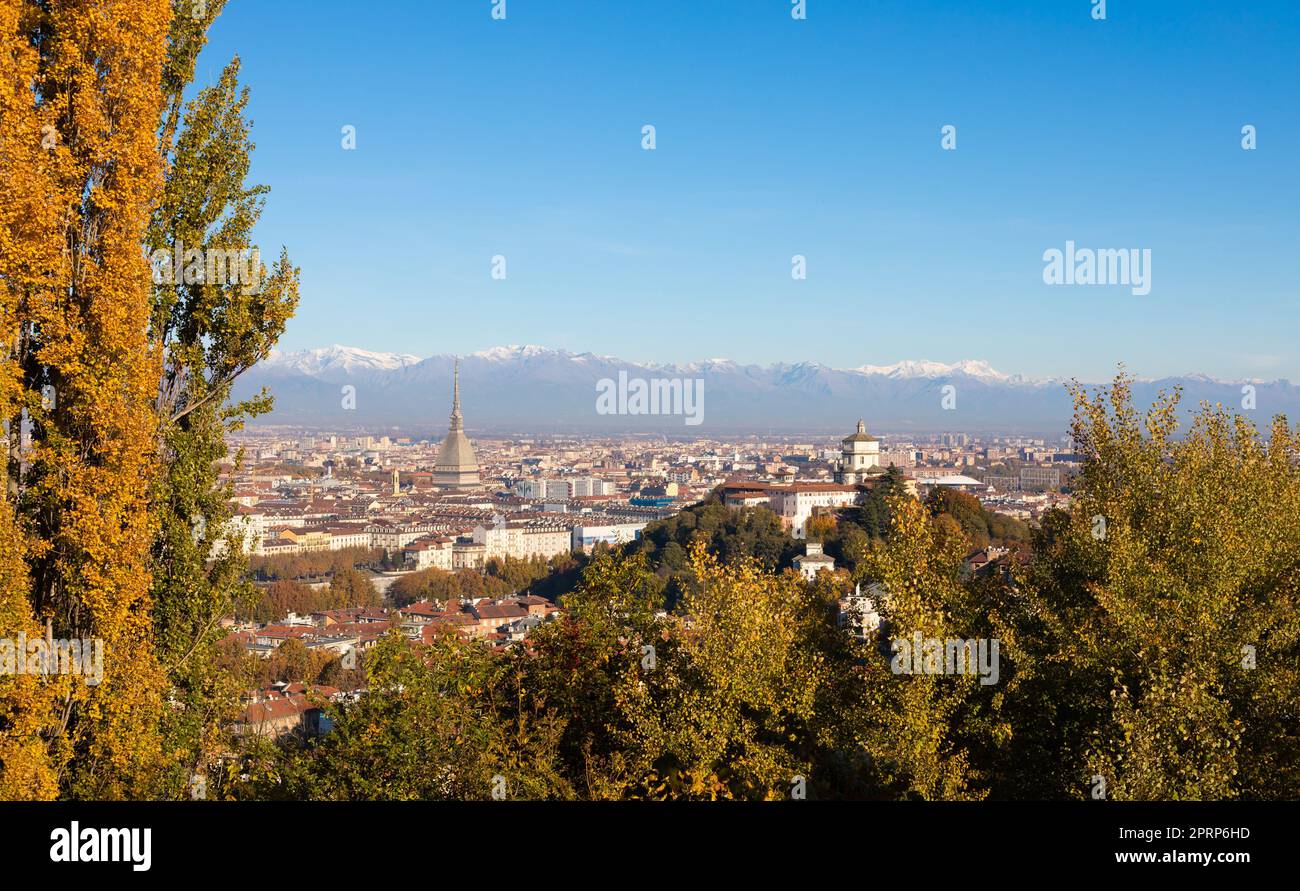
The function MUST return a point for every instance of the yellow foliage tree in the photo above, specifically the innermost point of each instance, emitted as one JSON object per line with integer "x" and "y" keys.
{"x": 1184, "y": 546}
{"x": 726, "y": 707}
{"x": 81, "y": 169}
{"x": 910, "y": 723}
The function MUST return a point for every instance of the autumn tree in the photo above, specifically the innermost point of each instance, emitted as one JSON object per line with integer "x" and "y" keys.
{"x": 81, "y": 170}
{"x": 283, "y": 597}
{"x": 519, "y": 573}
{"x": 311, "y": 564}
{"x": 443, "y": 586}
{"x": 27, "y": 702}
{"x": 28, "y": 256}
{"x": 450, "y": 720}
{"x": 918, "y": 727}
{"x": 980, "y": 526}
{"x": 820, "y": 527}
{"x": 738, "y": 694}
{"x": 1161, "y": 615}
{"x": 729, "y": 707}
{"x": 351, "y": 588}
{"x": 582, "y": 659}
{"x": 107, "y": 377}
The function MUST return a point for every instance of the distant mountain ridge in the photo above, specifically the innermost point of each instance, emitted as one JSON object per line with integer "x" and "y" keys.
{"x": 347, "y": 359}
{"x": 522, "y": 389}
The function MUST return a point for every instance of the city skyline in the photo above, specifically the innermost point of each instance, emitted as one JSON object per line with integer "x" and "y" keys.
{"x": 697, "y": 401}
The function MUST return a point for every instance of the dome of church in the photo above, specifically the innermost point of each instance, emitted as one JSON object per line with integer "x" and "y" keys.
{"x": 861, "y": 435}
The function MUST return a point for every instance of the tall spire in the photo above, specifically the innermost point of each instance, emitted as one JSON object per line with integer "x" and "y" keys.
{"x": 456, "y": 469}
{"x": 455, "y": 397}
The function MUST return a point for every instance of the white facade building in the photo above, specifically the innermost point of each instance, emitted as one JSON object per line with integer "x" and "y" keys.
{"x": 586, "y": 537}
{"x": 430, "y": 552}
{"x": 532, "y": 489}
{"x": 395, "y": 536}
{"x": 350, "y": 536}
{"x": 795, "y": 503}
{"x": 587, "y": 486}
{"x": 562, "y": 489}
{"x": 813, "y": 561}
{"x": 522, "y": 540}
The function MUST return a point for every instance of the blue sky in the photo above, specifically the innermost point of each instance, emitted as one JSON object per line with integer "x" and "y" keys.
{"x": 778, "y": 137}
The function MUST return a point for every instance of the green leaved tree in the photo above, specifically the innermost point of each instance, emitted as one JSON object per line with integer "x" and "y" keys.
{"x": 216, "y": 311}
{"x": 1159, "y": 621}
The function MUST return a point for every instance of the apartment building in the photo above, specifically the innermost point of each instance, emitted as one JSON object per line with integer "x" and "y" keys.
{"x": 306, "y": 538}
{"x": 1039, "y": 477}
{"x": 347, "y": 536}
{"x": 523, "y": 539}
{"x": 395, "y": 536}
{"x": 430, "y": 552}
{"x": 586, "y": 537}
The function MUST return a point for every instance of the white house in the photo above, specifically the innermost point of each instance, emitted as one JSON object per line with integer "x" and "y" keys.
{"x": 813, "y": 561}
{"x": 430, "y": 552}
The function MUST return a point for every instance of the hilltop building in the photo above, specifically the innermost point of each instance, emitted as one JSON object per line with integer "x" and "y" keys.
{"x": 813, "y": 561}
{"x": 860, "y": 458}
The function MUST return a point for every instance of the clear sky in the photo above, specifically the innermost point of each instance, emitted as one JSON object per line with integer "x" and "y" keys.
{"x": 776, "y": 137}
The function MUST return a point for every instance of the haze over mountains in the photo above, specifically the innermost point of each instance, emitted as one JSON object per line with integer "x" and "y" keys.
{"x": 532, "y": 389}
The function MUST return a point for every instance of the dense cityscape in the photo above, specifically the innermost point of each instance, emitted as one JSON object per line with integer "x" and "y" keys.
{"x": 398, "y": 507}
{"x": 582, "y": 405}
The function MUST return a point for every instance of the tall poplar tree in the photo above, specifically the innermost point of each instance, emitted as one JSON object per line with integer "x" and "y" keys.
{"x": 115, "y": 390}
{"x": 81, "y": 170}
{"x": 28, "y": 255}
{"x": 217, "y": 311}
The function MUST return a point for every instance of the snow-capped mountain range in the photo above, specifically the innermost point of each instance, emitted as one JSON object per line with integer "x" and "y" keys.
{"x": 330, "y": 359}
{"x": 335, "y": 359}
{"x": 541, "y": 390}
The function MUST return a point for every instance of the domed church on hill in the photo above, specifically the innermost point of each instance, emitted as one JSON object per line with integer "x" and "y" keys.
{"x": 456, "y": 469}
{"x": 860, "y": 458}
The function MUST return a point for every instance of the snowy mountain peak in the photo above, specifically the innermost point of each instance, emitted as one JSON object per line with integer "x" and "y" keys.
{"x": 338, "y": 358}
{"x": 716, "y": 365}
{"x": 515, "y": 351}
{"x": 909, "y": 368}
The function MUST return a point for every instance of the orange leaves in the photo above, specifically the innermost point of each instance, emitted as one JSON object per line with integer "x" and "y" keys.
{"x": 79, "y": 172}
